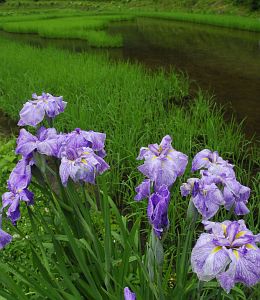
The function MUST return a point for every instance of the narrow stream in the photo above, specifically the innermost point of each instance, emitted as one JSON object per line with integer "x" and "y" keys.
{"x": 223, "y": 61}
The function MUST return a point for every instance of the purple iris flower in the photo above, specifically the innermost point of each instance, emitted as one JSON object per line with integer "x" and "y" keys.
{"x": 157, "y": 210}
{"x": 81, "y": 165}
{"x": 46, "y": 142}
{"x": 205, "y": 158}
{"x": 21, "y": 175}
{"x": 206, "y": 197}
{"x": 236, "y": 195}
{"x": 128, "y": 295}
{"x": 81, "y": 138}
{"x": 34, "y": 110}
{"x": 228, "y": 252}
{"x": 5, "y": 238}
{"x": 13, "y": 198}
{"x": 162, "y": 163}
{"x": 143, "y": 190}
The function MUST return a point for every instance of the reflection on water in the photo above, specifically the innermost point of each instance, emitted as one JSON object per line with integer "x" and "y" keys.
{"x": 226, "y": 62}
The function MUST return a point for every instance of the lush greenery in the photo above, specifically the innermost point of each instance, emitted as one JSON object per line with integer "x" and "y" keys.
{"x": 134, "y": 108}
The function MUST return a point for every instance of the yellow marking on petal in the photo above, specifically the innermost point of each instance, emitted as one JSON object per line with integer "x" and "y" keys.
{"x": 170, "y": 151}
{"x": 250, "y": 246}
{"x": 216, "y": 249}
{"x": 154, "y": 157}
{"x": 86, "y": 152}
{"x": 169, "y": 157}
{"x": 84, "y": 161}
{"x": 241, "y": 233}
{"x": 205, "y": 158}
{"x": 236, "y": 254}
{"x": 224, "y": 227}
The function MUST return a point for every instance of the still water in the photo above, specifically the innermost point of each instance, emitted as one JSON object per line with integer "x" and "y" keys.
{"x": 223, "y": 61}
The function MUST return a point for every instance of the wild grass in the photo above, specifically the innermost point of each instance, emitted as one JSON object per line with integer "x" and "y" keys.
{"x": 134, "y": 108}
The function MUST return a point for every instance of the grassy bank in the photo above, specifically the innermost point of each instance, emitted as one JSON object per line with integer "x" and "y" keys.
{"x": 134, "y": 108}
{"x": 235, "y": 22}
{"x": 88, "y": 28}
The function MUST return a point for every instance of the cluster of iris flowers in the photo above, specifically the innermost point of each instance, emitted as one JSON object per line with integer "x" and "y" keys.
{"x": 217, "y": 186}
{"x": 227, "y": 252}
{"x": 80, "y": 153}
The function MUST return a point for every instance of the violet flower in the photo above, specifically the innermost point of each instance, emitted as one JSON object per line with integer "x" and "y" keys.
{"x": 46, "y": 142}
{"x": 157, "y": 210}
{"x": 228, "y": 252}
{"x": 205, "y": 158}
{"x": 81, "y": 165}
{"x": 143, "y": 190}
{"x": 5, "y": 238}
{"x": 13, "y": 198}
{"x": 128, "y": 295}
{"x": 33, "y": 111}
{"x": 163, "y": 164}
{"x": 236, "y": 195}
{"x": 81, "y": 138}
{"x": 206, "y": 197}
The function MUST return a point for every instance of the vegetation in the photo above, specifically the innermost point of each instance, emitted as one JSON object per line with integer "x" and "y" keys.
{"x": 134, "y": 108}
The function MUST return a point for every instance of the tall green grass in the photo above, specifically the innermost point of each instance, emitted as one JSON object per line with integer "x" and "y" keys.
{"x": 134, "y": 108}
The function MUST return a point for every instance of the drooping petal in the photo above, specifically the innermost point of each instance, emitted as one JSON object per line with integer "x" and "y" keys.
{"x": 143, "y": 190}
{"x": 26, "y": 143}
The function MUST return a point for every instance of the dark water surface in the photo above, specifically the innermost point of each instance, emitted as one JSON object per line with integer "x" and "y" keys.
{"x": 225, "y": 62}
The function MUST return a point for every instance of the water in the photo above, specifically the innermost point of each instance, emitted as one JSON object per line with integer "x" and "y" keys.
{"x": 225, "y": 62}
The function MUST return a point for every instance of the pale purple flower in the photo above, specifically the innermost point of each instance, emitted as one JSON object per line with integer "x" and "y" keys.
{"x": 162, "y": 163}
{"x": 205, "y": 158}
{"x": 81, "y": 165}
{"x": 143, "y": 190}
{"x": 228, "y": 252}
{"x": 46, "y": 142}
{"x": 12, "y": 201}
{"x": 206, "y": 197}
{"x": 5, "y": 238}
{"x": 236, "y": 195}
{"x": 21, "y": 175}
{"x": 187, "y": 188}
{"x": 81, "y": 138}
{"x": 33, "y": 111}
{"x": 128, "y": 295}
{"x": 157, "y": 210}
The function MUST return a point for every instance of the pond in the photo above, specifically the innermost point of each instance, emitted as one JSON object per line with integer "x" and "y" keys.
{"x": 223, "y": 61}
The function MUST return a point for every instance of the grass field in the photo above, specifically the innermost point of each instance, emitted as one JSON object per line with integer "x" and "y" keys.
{"x": 134, "y": 108}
